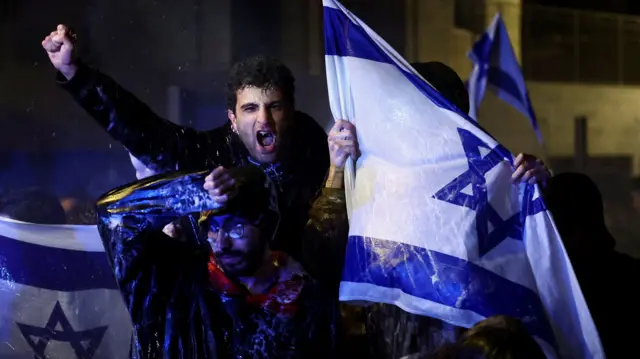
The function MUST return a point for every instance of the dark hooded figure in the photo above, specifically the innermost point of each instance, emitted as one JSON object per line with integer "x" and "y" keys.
{"x": 608, "y": 279}
{"x": 446, "y": 81}
{"x": 216, "y": 289}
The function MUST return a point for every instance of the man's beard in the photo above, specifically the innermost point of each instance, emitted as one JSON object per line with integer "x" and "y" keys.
{"x": 247, "y": 266}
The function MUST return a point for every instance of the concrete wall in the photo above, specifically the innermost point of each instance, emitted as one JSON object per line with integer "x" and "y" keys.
{"x": 613, "y": 114}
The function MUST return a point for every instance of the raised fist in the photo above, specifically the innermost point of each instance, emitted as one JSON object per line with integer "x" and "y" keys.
{"x": 59, "y": 45}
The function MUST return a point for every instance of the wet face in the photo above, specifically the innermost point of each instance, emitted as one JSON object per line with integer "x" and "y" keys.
{"x": 142, "y": 171}
{"x": 237, "y": 245}
{"x": 261, "y": 118}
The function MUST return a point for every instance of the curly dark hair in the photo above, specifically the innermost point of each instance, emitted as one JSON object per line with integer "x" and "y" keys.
{"x": 262, "y": 72}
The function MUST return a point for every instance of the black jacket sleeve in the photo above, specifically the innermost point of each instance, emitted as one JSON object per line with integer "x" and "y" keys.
{"x": 160, "y": 144}
{"x": 131, "y": 218}
{"x": 157, "y": 275}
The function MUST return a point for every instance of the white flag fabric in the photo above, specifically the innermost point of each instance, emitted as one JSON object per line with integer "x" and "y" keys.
{"x": 436, "y": 225}
{"x": 58, "y": 296}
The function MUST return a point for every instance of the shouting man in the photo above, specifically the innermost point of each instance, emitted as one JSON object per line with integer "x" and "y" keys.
{"x": 264, "y": 130}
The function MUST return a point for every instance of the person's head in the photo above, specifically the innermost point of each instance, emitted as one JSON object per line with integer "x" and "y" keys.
{"x": 142, "y": 171}
{"x": 261, "y": 104}
{"x": 446, "y": 81}
{"x": 240, "y": 233}
{"x": 575, "y": 203}
{"x": 32, "y": 205}
{"x": 497, "y": 337}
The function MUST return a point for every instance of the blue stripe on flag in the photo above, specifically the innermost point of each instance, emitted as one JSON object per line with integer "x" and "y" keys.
{"x": 345, "y": 38}
{"x": 350, "y": 40}
{"x": 54, "y": 268}
{"x": 455, "y": 279}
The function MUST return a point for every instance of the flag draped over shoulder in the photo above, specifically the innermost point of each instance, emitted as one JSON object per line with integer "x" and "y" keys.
{"x": 58, "y": 296}
{"x": 436, "y": 225}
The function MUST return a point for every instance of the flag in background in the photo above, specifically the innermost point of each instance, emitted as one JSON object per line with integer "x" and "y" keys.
{"x": 496, "y": 66}
{"x": 58, "y": 296}
{"x": 436, "y": 226}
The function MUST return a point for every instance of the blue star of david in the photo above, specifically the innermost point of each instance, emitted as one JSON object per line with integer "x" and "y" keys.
{"x": 67, "y": 334}
{"x": 478, "y": 201}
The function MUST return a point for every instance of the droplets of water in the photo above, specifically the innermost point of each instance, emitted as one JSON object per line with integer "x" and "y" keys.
{"x": 5, "y": 275}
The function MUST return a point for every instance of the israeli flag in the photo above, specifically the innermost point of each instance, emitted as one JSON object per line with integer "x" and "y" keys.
{"x": 58, "y": 296}
{"x": 436, "y": 225}
{"x": 495, "y": 65}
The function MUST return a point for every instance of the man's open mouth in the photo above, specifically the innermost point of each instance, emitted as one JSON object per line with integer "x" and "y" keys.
{"x": 266, "y": 138}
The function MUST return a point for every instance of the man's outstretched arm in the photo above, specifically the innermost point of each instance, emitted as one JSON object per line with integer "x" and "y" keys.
{"x": 160, "y": 144}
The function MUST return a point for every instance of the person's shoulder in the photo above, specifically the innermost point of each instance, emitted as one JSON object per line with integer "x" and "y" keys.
{"x": 625, "y": 262}
{"x": 221, "y": 130}
{"x": 304, "y": 122}
{"x": 311, "y": 139}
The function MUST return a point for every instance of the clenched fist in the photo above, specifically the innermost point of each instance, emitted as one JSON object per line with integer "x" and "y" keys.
{"x": 221, "y": 185}
{"x": 59, "y": 45}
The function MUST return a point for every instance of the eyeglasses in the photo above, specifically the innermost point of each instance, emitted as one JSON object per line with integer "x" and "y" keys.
{"x": 234, "y": 231}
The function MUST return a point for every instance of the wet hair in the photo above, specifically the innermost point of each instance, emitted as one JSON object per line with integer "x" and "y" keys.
{"x": 262, "y": 72}
{"x": 32, "y": 205}
{"x": 446, "y": 81}
{"x": 498, "y": 337}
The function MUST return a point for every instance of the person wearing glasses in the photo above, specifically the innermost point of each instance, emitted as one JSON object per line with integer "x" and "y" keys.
{"x": 213, "y": 288}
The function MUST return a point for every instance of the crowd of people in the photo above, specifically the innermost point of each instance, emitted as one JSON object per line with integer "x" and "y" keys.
{"x": 232, "y": 241}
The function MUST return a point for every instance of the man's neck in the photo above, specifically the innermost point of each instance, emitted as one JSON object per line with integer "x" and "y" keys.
{"x": 263, "y": 279}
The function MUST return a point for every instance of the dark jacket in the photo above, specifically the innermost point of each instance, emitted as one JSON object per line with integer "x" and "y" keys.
{"x": 378, "y": 331}
{"x": 164, "y": 146}
{"x": 178, "y": 308}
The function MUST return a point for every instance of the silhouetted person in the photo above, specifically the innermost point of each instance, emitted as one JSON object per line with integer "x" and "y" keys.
{"x": 498, "y": 337}
{"x": 608, "y": 278}
{"x": 446, "y": 81}
{"x": 32, "y": 205}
